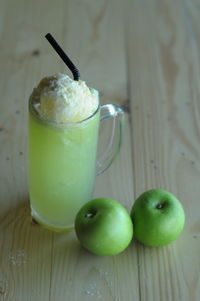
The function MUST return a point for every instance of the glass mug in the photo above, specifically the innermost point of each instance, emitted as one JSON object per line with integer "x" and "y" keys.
{"x": 62, "y": 163}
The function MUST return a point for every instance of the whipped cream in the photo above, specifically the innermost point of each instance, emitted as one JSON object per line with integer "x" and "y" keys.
{"x": 59, "y": 98}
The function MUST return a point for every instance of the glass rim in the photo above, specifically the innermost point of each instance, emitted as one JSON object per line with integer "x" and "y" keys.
{"x": 52, "y": 123}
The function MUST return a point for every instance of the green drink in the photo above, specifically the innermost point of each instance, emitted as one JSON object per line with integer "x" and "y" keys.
{"x": 62, "y": 149}
{"x": 62, "y": 169}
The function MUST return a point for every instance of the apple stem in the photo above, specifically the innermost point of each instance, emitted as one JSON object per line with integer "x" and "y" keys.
{"x": 90, "y": 214}
{"x": 159, "y": 206}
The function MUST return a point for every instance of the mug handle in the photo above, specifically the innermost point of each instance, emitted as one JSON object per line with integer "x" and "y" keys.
{"x": 107, "y": 157}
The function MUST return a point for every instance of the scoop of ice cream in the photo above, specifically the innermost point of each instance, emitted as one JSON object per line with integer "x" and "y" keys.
{"x": 61, "y": 99}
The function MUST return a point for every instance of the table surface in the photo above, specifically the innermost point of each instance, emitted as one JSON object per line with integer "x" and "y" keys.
{"x": 143, "y": 55}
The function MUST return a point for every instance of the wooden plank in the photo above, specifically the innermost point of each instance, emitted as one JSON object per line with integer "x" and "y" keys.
{"x": 161, "y": 41}
{"x": 26, "y": 249}
{"x": 36, "y": 264}
{"x": 83, "y": 275}
{"x": 163, "y": 55}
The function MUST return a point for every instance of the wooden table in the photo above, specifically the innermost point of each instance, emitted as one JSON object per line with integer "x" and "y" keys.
{"x": 143, "y": 55}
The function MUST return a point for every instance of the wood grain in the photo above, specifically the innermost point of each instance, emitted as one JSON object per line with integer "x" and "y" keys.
{"x": 144, "y": 56}
{"x": 89, "y": 276}
{"x": 164, "y": 89}
{"x": 36, "y": 264}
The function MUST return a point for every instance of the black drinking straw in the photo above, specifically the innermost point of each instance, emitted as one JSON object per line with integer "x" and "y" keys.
{"x": 64, "y": 57}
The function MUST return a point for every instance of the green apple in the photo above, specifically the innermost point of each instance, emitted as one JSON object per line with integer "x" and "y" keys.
{"x": 158, "y": 218}
{"x": 104, "y": 227}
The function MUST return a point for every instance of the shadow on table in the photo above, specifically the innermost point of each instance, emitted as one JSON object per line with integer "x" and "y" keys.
{"x": 38, "y": 261}
{"x": 30, "y": 254}
{"x": 24, "y": 235}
